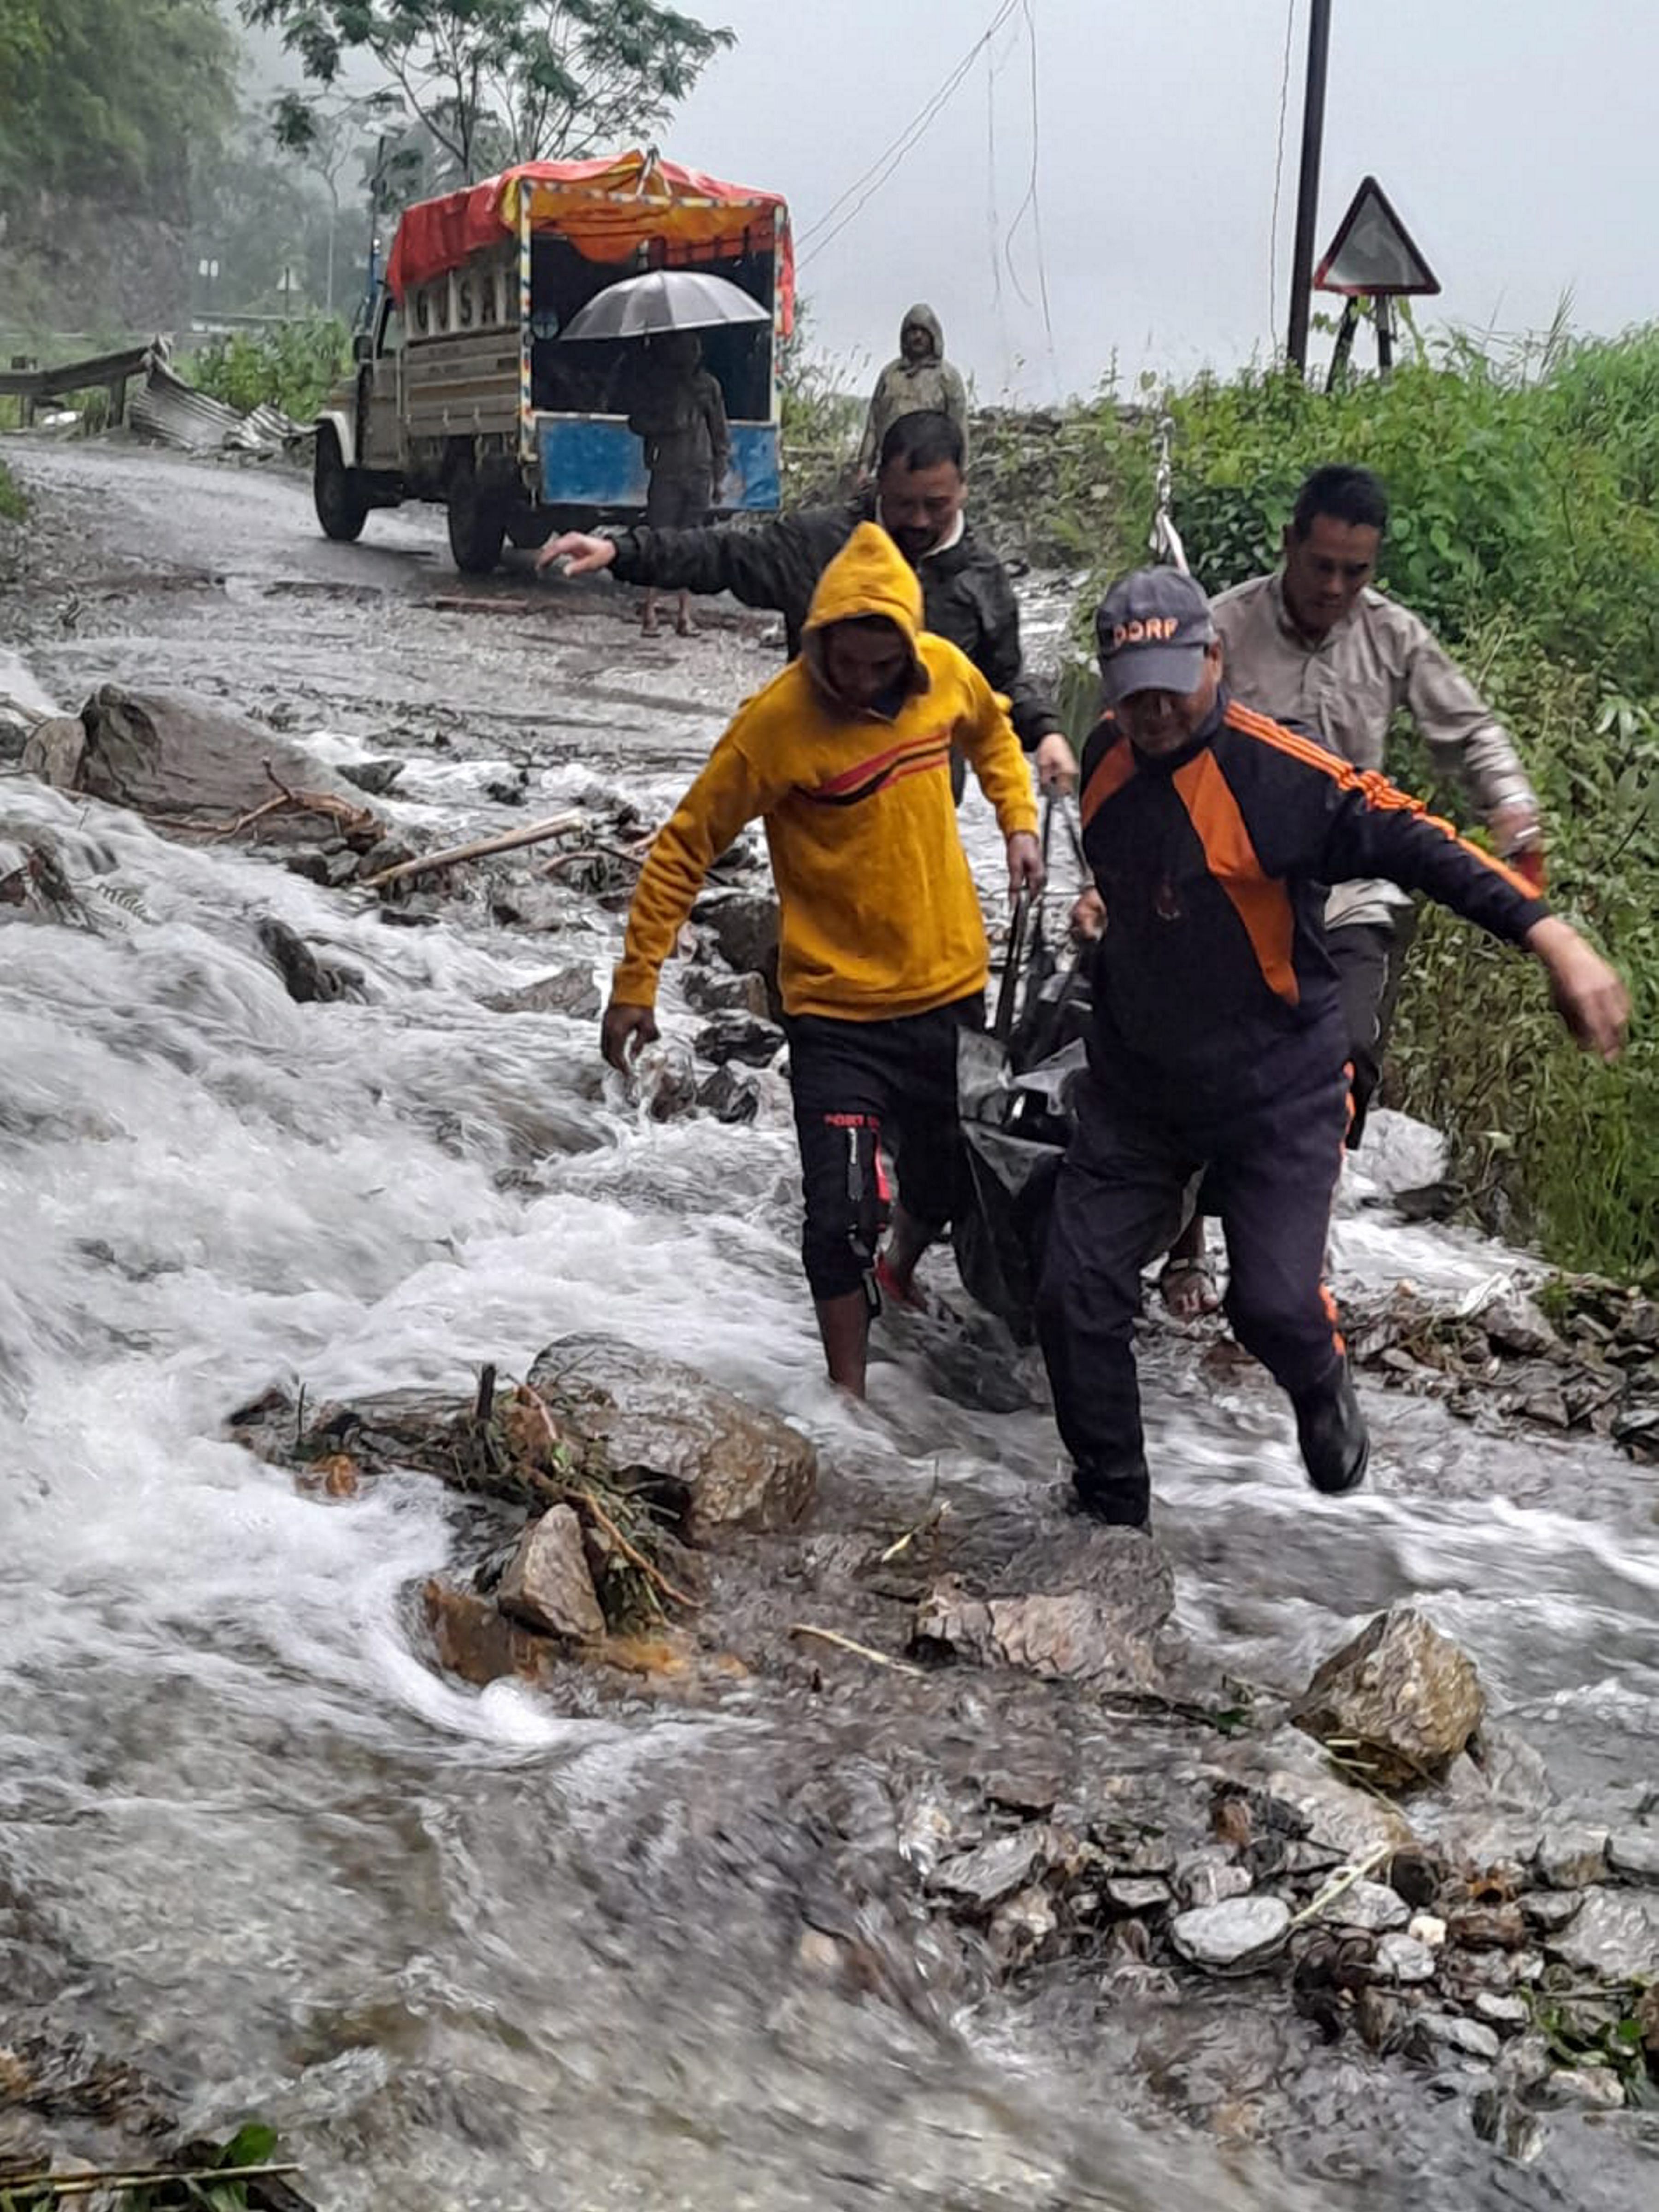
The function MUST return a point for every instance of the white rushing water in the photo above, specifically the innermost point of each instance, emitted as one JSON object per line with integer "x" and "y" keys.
{"x": 254, "y": 1831}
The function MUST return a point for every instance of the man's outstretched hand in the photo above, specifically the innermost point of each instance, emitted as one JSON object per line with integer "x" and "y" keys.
{"x": 623, "y": 1030}
{"x": 1589, "y": 995}
{"x": 1056, "y": 764}
{"x": 1025, "y": 869}
{"x": 586, "y": 556}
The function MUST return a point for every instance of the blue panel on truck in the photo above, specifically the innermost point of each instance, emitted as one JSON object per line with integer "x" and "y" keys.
{"x": 596, "y": 460}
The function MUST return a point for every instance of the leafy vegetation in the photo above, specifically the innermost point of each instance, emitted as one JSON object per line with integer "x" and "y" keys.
{"x": 292, "y": 365}
{"x": 499, "y": 80}
{"x": 110, "y": 100}
{"x": 216, "y": 2182}
{"x": 1526, "y": 532}
{"x": 12, "y": 508}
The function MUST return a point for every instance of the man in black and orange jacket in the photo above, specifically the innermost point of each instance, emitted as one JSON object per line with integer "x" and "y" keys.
{"x": 1218, "y": 1042}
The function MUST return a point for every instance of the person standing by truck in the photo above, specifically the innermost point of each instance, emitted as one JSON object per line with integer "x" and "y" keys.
{"x": 920, "y": 382}
{"x": 679, "y": 415}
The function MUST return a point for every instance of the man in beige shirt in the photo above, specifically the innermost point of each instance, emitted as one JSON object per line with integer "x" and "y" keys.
{"x": 1314, "y": 646}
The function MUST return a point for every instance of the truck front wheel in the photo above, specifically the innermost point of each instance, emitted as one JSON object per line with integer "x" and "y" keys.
{"x": 478, "y": 520}
{"x": 341, "y": 500}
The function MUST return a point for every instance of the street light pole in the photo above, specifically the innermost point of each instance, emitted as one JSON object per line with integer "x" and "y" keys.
{"x": 1307, "y": 198}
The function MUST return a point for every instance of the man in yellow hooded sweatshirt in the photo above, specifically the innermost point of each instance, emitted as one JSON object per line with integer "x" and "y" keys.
{"x": 845, "y": 756}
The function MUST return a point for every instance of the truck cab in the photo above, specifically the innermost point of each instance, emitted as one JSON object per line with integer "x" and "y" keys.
{"x": 465, "y": 391}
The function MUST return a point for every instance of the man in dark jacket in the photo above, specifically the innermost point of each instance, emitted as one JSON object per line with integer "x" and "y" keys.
{"x": 1219, "y": 1040}
{"x": 919, "y": 497}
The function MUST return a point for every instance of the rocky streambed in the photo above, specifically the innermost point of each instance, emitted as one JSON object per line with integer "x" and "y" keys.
{"x": 480, "y": 1705}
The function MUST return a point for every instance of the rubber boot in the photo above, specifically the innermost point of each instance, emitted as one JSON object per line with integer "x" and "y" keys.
{"x": 1336, "y": 1445}
{"x": 1119, "y": 1495}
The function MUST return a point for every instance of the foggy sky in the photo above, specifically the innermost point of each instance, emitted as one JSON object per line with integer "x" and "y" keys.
{"x": 1519, "y": 141}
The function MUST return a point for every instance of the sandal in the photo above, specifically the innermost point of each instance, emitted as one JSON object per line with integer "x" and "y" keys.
{"x": 1188, "y": 1289}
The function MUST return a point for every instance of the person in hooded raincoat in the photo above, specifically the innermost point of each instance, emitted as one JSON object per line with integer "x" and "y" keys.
{"x": 846, "y": 757}
{"x": 920, "y": 382}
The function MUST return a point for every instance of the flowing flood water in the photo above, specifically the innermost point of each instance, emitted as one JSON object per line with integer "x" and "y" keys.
{"x": 468, "y": 1950}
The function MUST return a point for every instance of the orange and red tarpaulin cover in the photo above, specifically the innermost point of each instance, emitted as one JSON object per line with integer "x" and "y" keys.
{"x": 603, "y": 207}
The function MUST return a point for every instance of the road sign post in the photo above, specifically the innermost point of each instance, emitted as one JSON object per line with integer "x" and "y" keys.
{"x": 1372, "y": 257}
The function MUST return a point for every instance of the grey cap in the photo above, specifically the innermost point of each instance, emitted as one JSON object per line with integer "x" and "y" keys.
{"x": 1151, "y": 629}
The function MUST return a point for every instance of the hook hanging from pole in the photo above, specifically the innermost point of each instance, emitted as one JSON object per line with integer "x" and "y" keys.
{"x": 1165, "y": 540}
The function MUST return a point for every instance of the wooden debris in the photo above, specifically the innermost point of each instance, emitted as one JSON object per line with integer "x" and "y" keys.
{"x": 534, "y": 833}
{"x": 859, "y": 1651}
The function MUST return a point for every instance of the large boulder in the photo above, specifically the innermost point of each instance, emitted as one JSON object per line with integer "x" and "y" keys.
{"x": 715, "y": 1462}
{"x": 1401, "y": 1698}
{"x": 183, "y": 765}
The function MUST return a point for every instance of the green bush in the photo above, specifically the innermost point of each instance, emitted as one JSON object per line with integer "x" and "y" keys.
{"x": 12, "y": 508}
{"x": 292, "y": 365}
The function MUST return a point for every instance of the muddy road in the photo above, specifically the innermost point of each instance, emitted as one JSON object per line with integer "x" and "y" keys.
{"x": 485, "y": 1949}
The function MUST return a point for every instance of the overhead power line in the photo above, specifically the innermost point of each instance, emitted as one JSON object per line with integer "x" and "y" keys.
{"x": 830, "y": 224}
{"x": 1278, "y": 176}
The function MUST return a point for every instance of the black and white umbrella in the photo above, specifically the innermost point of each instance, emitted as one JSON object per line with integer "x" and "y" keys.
{"x": 665, "y": 300}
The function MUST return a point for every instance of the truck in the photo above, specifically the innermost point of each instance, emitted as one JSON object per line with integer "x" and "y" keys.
{"x": 463, "y": 391}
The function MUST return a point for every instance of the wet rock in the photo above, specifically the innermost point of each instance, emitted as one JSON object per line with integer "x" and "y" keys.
{"x": 1508, "y": 2015}
{"x": 471, "y": 1637}
{"x": 1548, "y": 1910}
{"x": 1487, "y": 1927}
{"x": 740, "y": 1038}
{"x": 1349, "y": 1822}
{"x": 1404, "y": 1959}
{"x": 1369, "y": 1906}
{"x": 1132, "y": 1892}
{"x": 1635, "y": 1851}
{"x": 563, "y": 991}
{"x": 1417, "y": 1875}
{"x": 730, "y": 1094}
{"x": 307, "y": 980}
{"x": 1238, "y": 1933}
{"x": 376, "y": 777}
{"x": 709, "y": 992}
{"x": 1574, "y": 1857}
{"x": 983, "y": 1877}
{"x": 180, "y": 762}
{"x": 1514, "y": 1324}
{"x": 54, "y": 751}
{"x": 15, "y": 728}
{"x": 714, "y": 1462}
{"x": 1590, "y": 2088}
{"x": 1436, "y": 2035}
{"x": 1020, "y": 1928}
{"x": 1401, "y": 1692}
{"x": 1209, "y": 1877}
{"x": 547, "y": 1584}
{"x": 745, "y": 928}
{"x": 1615, "y": 1935}
{"x": 1383, "y": 2020}
{"x": 390, "y": 852}
{"x": 1073, "y": 1636}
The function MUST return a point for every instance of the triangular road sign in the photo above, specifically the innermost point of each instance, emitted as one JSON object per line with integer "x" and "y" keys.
{"x": 1373, "y": 252}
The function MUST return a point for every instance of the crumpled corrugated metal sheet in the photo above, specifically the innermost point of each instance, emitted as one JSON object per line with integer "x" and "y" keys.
{"x": 176, "y": 414}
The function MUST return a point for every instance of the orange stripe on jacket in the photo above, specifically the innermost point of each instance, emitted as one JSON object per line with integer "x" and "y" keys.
{"x": 1108, "y": 780}
{"x": 1263, "y": 905}
{"x": 849, "y": 779}
{"x": 1377, "y": 789}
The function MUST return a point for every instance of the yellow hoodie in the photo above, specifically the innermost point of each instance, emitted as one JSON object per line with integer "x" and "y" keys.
{"x": 879, "y": 916}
